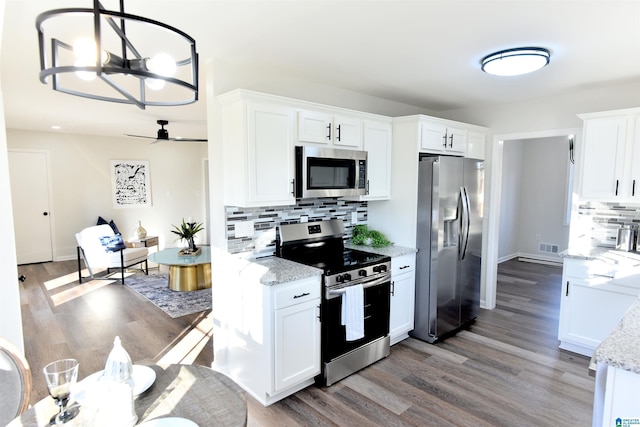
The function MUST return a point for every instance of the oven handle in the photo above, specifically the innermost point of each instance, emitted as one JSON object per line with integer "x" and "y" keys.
{"x": 334, "y": 293}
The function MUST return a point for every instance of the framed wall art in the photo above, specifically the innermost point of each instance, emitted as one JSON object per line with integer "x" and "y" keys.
{"x": 130, "y": 183}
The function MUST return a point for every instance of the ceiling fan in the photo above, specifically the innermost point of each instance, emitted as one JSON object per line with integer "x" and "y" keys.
{"x": 163, "y": 135}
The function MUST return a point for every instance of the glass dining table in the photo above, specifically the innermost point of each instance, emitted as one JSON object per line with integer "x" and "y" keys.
{"x": 188, "y": 394}
{"x": 186, "y": 273}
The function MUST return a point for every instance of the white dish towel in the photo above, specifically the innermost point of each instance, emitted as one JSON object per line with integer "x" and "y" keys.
{"x": 353, "y": 312}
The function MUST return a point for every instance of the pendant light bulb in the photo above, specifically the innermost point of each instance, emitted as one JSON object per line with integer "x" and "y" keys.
{"x": 162, "y": 64}
{"x": 85, "y": 50}
{"x": 154, "y": 84}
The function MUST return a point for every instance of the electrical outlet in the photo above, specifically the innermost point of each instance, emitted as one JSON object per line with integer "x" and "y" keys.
{"x": 304, "y": 218}
{"x": 244, "y": 229}
{"x": 538, "y": 237}
{"x": 354, "y": 218}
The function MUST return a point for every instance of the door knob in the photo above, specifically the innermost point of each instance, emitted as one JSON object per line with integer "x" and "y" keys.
{"x": 45, "y": 213}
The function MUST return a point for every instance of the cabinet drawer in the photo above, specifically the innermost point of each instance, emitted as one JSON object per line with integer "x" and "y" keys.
{"x": 297, "y": 292}
{"x": 588, "y": 269}
{"x": 403, "y": 264}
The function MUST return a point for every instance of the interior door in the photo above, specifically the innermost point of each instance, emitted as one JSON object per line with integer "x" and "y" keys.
{"x": 29, "y": 175}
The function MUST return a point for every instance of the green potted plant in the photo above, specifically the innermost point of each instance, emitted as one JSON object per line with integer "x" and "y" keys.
{"x": 362, "y": 235}
{"x": 187, "y": 231}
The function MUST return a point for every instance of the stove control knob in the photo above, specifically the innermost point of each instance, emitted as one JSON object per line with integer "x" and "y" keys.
{"x": 346, "y": 277}
{"x": 339, "y": 278}
{"x": 362, "y": 273}
{"x": 380, "y": 268}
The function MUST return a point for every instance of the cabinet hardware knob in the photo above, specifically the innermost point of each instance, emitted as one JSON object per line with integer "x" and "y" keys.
{"x": 444, "y": 137}
{"x": 403, "y": 267}
{"x": 329, "y": 131}
{"x": 633, "y": 188}
{"x": 293, "y": 187}
{"x": 339, "y": 126}
{"x": 617, "y": 184}
{"x": 567, "y": 291}
{"x": 451, "y": 139}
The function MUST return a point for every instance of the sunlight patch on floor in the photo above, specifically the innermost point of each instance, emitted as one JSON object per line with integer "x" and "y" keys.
{"x": 187, "y": 349}
{"x": 78, "y": 291}
{"x": 66, "y": 279}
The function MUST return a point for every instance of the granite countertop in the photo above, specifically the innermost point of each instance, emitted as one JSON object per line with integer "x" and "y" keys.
{"x": 608, "y": 255}
{"x": 621, "y": 349}
{"x": 279, "y": 270}
{"x": 392, "y": 251}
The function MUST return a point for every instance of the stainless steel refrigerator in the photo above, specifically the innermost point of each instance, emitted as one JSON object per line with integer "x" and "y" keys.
{"x": 449, "y": 241}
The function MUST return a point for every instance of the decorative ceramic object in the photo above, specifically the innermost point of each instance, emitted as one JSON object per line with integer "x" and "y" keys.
{"x": 140, "y": 232}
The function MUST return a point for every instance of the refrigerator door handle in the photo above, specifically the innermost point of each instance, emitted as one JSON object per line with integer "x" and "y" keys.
{"x": 465, "y": 223}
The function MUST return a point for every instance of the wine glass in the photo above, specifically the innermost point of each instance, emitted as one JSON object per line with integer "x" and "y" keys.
{"x": 60, "y": 376}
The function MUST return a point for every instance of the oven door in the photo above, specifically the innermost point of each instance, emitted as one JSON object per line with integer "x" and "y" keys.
{"x": 376, "y": 318}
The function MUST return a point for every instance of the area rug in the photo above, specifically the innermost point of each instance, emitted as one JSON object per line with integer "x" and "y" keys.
{"x": 155, "y": 288}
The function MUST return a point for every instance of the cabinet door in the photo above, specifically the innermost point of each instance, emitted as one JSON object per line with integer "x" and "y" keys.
{"x": 314, "y": 127}
{"x": 270, "y": 162}
{"x": 475, "y": 145}
{"x": 456, "y": 140}
{"x": 603, "y": 159}
{"x": 589, "y": 313}
{"x": 635, "y": 162}
{"x": 402, "y": 306}
{"x": 347, "y": 132}
{"x": 297, "y": 344}
{"x": 377, "y": 143}
{"x": 433, "y": 137}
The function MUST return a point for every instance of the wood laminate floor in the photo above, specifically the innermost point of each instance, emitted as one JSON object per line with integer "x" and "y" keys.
{"x": 506, "y": 370}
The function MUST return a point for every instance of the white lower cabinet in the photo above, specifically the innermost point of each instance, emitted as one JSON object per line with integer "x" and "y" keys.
{"x": 267, "y": 338}
{"x": 297, "y": 342}
{"x": 402, "y": 297}
{"x": 595, "y": 297}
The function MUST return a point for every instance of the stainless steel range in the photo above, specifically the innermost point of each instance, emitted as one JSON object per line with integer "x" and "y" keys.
{"x": 320, "y": 244}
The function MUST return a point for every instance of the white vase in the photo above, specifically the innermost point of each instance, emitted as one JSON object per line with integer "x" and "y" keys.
{"x": 140, "y": 232}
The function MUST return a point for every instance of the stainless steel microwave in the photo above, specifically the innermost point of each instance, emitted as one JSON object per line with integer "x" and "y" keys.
{"x": 327, "y": 172}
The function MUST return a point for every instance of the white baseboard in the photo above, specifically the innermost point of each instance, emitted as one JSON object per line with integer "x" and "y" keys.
{"x": 535, "y": 258}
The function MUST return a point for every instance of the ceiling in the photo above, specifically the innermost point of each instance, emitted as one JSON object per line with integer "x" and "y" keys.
{"x": 422, "y": 53}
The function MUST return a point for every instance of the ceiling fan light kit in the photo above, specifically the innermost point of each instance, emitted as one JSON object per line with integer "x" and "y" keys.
{"x": 120, "y": 57}
{"x": 515, "y": 62}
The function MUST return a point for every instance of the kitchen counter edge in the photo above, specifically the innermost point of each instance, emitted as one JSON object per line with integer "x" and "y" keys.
{"x": 621, "y": 348}
{"x": 392, "y": 251}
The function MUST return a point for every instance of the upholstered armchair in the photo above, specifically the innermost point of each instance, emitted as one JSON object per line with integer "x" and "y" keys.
{"x": 97, "y": 249}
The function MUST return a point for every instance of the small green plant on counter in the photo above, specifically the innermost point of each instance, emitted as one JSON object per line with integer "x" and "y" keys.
{"x": 361, "y": 235}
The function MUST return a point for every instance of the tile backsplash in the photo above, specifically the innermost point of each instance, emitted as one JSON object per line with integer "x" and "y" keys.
{"x": 265, "y": 220}
{"x": 600, "y": 221}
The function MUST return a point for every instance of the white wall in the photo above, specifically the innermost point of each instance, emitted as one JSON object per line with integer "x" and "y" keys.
{"x": 543, "y": 195}
{"x": 10, "y": 316}
{"x": 82, "y": 185}
{"x": 510, "y": 202}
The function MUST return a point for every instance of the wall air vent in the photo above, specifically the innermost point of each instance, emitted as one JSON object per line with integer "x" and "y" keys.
{"x": 549, "y": 248}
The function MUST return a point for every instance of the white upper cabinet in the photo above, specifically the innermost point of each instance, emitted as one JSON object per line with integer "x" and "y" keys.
{"x": 610, "y": 166}
{"x": 258, "y": 150}
{"x": 476, "y": 142}
{"x": 377, "y": 143}
{"x": 320, "y": 127}
{"x": 439, "y": 138}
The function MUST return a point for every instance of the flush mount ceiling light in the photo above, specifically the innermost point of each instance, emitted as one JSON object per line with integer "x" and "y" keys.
{"x": 118, "y": 57}
{"x": 514, "y": 62}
